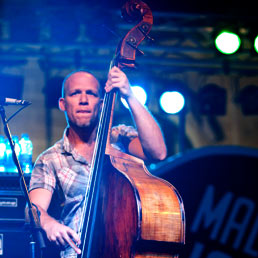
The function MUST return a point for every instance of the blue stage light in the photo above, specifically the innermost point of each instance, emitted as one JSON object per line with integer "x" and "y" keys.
{"x": 172, "y": 102}
{"x": 139, "y": 93}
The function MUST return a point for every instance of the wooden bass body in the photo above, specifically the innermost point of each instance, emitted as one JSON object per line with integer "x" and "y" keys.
{"x": 138, "y": 215}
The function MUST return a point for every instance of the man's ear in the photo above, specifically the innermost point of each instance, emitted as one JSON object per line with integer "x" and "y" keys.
{"x": 61, "y": 104}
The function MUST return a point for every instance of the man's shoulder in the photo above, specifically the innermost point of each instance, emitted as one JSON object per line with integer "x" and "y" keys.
{"x": 53, "y": 150}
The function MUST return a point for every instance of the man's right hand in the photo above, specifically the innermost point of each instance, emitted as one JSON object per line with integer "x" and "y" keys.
{"x": 56, "y": 232}
{"x": 61, "y": 234}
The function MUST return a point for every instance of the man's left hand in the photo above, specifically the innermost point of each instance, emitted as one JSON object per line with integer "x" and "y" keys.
{"x": 118, "y": 79}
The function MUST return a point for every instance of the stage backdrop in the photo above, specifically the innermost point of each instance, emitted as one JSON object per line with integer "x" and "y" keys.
{"x": 219, "y": 189}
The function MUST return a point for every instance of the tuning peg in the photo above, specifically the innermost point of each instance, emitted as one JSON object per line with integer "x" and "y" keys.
{"x": 144, "y": 28}
{"x": 131, "y": 42}
{"x": 139, "y": 52}
{"x": 150, "y": 39}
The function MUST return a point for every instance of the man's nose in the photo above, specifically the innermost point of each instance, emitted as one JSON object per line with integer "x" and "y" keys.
{"x": 84, "y": 99}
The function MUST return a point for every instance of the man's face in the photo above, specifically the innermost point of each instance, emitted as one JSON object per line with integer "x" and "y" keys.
{"x": 82, "y": 100}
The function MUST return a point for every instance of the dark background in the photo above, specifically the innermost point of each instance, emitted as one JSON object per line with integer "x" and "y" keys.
{"x": 245, "y": 8}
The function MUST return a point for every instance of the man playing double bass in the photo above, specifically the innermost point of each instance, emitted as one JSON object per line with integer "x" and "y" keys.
{"x": 65, "y": 166}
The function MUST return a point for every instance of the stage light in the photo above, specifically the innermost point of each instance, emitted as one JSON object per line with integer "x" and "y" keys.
{"x": 227, "y": 42}
{"x": 256, "y": 44}
{"x": 172, "y": 102}
{"x": 139, "y": 93}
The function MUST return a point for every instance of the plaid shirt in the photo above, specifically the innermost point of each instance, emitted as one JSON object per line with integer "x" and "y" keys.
{"x": 63, "y": 169}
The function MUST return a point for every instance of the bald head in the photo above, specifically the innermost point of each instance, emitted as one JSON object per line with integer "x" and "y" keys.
{"x": 80, "y": 74}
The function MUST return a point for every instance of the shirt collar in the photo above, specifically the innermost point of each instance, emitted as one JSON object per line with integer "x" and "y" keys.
{"x": 68, "y": 148}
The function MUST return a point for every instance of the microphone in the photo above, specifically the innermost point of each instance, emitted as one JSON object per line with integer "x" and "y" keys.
{"x": 9, "y": 101}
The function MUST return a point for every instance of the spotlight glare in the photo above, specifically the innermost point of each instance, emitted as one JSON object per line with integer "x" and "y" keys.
{"x": 256, "y": 44}
{"x": 227, "y": 42}
{"x": 172, "y": 102}
{"x": 139, "y": 93}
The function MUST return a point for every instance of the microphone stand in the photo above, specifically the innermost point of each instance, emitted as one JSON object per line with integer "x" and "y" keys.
{"x": 35, "y": 228}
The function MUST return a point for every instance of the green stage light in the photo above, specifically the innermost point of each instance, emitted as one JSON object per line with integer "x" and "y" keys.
{"x": 227, "y": 42}
{"x": 256, "y": 44}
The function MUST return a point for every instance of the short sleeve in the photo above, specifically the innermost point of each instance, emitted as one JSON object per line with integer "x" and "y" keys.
{"x": 42, "y": 176}
{"x": 122, "y": 135}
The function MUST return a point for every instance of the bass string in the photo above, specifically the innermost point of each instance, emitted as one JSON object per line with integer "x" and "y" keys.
{"x": 88, "y": 202}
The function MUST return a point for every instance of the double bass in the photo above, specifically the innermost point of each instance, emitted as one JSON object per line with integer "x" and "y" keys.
{"x": 127, "y": 212}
